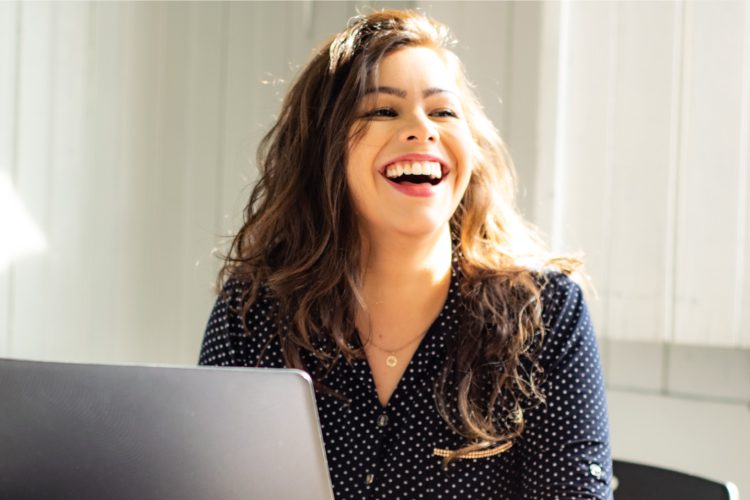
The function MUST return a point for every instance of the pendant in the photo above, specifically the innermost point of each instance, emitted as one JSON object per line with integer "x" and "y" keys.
{"x": 391, "y": 361}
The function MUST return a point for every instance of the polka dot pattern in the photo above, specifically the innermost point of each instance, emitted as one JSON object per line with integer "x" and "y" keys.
{"x": 378, "y": 452}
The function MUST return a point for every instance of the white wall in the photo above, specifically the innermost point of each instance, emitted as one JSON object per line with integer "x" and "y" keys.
{"x": 117, "y": 167}
{"x": 647, "y": 163}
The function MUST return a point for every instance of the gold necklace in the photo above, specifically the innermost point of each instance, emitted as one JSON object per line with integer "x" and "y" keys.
{"x": 391, "y": 360}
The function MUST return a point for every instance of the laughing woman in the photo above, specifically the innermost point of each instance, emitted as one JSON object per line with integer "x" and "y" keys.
{"x": 383, "y": 253}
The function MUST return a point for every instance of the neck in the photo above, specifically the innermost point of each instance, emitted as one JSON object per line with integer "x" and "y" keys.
{"x": 399, "y": 267}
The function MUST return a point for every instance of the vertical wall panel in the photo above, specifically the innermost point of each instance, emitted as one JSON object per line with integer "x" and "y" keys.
{"x": 202, "y": 165}
{"x": 9, "y": 12}
{"x": 34, "y": 129}
{"x": 139, "y": 170}
{"x": 522, "y": 99}
{"x": 86, "y": 207}
{"x": 171, "y": 153}
{"x": 551, "y": 64}
{"x": 708, "y": 196}
{"x": 109, "y": 154}
{"x": 66, "y": 320}
{"x": 742, "y": 312}
{"x": 584, "y": 163}
{"x": 638, "y": 233}
{"x": 249, "y": 98}
{"x": 152, "y": 279}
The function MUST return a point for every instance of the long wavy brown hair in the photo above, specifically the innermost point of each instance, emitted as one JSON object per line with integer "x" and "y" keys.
{"x": 300, "y": 243}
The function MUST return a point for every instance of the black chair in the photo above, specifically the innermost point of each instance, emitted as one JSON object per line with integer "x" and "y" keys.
{"x": 633, "y": 481}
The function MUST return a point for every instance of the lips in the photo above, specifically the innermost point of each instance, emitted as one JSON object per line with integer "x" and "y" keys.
{"x": 428, "y": 183}
{"x": 422, "y": 190}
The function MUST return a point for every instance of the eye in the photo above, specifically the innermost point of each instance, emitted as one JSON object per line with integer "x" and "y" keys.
{"x": 444, "y": 113}
{"x": 381, "y": 113}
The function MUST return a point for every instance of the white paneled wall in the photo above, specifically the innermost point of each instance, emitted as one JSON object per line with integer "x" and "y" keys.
{"x": 641, "y": 217}
{"x": 649, "y": 163}
{"x": 712, "y": 187}
{"x": 8, "y": 68}
{"x": 101, "y": 167}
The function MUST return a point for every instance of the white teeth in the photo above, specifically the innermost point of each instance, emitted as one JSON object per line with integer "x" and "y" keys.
{"x": 437, "y": 172}
{"x": 429, "y": 168}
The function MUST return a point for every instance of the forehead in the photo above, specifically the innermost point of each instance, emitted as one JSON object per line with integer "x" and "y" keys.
{"x": 416, "y": 68}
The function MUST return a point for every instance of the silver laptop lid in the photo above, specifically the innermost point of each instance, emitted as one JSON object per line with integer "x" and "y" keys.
{"x": 77, "y": 431}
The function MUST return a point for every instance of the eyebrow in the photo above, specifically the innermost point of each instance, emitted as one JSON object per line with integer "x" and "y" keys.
{"x": 402, "y": 93}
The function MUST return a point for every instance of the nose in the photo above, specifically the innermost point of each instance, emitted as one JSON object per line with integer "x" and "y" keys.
{"x": 419, "y": 129}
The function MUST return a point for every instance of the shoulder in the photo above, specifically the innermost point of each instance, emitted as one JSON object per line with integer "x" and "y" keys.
{"x": 567, "y": 325}
{"x": 234, "y": 304}
{"x": 239, "y": 330}
{"x": 561, "y": 297}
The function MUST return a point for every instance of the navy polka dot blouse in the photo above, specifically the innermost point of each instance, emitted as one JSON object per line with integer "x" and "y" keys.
{"x": 392, "y": 452}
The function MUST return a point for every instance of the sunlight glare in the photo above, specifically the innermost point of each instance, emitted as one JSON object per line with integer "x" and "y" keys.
{"x": 19, "y": 235}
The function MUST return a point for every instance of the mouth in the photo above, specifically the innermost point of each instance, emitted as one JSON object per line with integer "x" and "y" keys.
{"x": 416, "y": 171}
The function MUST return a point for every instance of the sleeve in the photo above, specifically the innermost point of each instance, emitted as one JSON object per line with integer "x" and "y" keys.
{"x": 223, "y": 325}
{"x": 565, "y": 445}
{"x": 227, "y": 343}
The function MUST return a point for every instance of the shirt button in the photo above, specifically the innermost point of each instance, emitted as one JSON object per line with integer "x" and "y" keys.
{"x": 596, "y": 470}
{"x": 369, "y": 479}
{"x": 382, "y": 420}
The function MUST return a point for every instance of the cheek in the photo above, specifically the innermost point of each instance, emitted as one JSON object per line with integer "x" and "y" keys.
{"x": 352, "y": 183}
{"x": 467, "y": 144}
{"x": 355, "y": 159}
{"x": 362, "y": 154}
{"x": 357, "y": 183}
{"x": 463, "y": 149}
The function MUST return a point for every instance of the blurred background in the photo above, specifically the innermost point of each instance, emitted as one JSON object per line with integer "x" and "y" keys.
{"x": 127, "y": 152}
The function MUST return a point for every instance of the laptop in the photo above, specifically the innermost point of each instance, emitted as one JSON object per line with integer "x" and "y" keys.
{"x": 132, "y": 432}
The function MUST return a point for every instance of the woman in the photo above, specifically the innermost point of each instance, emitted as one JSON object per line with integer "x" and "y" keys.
{"x": 382, "y": 252}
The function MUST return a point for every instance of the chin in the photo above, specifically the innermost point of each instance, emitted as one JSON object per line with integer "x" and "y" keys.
{"x": 422, "y": 228}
